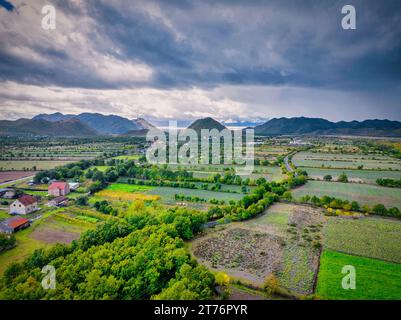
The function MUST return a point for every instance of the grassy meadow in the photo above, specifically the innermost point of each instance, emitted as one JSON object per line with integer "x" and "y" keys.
{"x": 363, "y": 193}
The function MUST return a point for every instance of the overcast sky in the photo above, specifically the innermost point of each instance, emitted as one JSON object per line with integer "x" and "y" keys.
{"x": 232, "y": 60}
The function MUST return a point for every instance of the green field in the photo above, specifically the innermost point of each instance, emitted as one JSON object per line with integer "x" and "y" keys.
{"x": 349, "y": 161}
{"x": 128, "y": 187}
{"x": 276, "y": 216}
{"x": 167, "y": 194}
{"x": 363, "y": 193}
{"x": 127, "y": 157}
{"x": 269, "y": 173}
{"x": 372, "y": 237}
{"x": 375, "y": 279}
{"x": 366, "y": 176}
{"x": 6, "y": 165}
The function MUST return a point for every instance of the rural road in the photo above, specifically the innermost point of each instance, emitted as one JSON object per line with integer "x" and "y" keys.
{"x": 16, "y": 180}
{"x": 287, "y": 165}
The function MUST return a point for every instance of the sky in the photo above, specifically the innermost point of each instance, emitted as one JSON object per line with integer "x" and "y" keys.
{"x": 232, "y": 60}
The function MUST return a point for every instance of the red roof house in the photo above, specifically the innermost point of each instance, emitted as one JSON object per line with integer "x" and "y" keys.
{"x": 13, "y": 224}
{"x": 59, "y": 188}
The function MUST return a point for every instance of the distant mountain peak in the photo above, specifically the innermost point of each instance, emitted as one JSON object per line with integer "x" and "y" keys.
{"x": 206, "y": 123}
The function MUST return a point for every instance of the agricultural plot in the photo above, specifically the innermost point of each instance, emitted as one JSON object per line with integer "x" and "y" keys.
{"x": 364, "y": 176}
{"x": 6, "y": 176}
{"x": 61, "y": 149}
{"x": 375, "y": 279}
{"x": 31, "y": 165}
{"x": 269, "y": 173}
{"x": 281, "y": 241}
{"x": 372, "y": 237}
{"x": 345, "y": 161}
{"x": 363, "y": 193}
{"x": 166, "y": 194}
{"x": 43, "y": 233}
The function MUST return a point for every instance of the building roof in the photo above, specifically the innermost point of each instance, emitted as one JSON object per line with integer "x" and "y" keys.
{"x": 58, "y": 185}
{"x": 59, "y": 199}
{"x": 15, "y": 222}
{"x": 27, "y": 199}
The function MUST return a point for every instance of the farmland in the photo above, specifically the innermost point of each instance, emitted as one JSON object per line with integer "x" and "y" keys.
{"x": 279, "y": 241}
{"x": 43, "y": 233}
{"x": 364, "y": 176}
{"x": 246, "y": 238}
{"x": 375, "y": 279}
{"x": 345, "y": 161}
{"x": 370, "y": 237}
{"x": 6, "y": 176}
{"x": 363, "y": 193}
{"x": 31, "y": 165}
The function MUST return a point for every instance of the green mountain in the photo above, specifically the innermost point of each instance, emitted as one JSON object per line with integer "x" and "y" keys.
{"x": 29, "y": 127}
{"x": 104, "y": 124}
{"x": 318, "y": 126}
{"x": 206, "y": 123}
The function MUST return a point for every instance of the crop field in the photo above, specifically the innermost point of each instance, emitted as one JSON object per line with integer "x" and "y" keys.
{"x": 279, "y": 242}
{"x": 167, "y": 194}
{"x": 375, "y": 279}
{"x": 61, "y": 149}
{"x": 127, "y": 157}
{"x": 128, "y": 187}
{"x": 363, "y": 193}
{"x": 31, "y": 165}
{"x": 349, "y": 161}
{"x": 269, "y": 173}
{"x": 114, "y": 195}
{"x": 42, "y": 234}
{"x": 372, "y": 237}
{"x": 365, "y": 176}
{"x": 6, "y": 176}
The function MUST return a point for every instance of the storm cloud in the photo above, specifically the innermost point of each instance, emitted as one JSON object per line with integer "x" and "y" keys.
{"x": 227, "y": 59}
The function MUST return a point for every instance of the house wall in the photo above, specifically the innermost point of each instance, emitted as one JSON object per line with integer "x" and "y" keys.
{"x": 18, "y": 208}
{"x": 58, "y": 192}
{"x": 54, "y": 192}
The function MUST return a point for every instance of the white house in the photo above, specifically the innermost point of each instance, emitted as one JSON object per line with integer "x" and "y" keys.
{"x": 24, "y": 205}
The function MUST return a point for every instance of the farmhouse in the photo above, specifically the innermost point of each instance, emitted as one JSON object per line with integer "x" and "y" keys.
{"x": 24, "y": 205}
{"x": 58, "y": 202}
{"x": 58, "y": 188}
{"x": 13, "y": 224}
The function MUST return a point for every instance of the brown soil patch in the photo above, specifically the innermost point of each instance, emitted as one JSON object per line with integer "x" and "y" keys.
{"x": 55, "y": 236}
{"x": 6, "y": 176}
{"x": 252, "y": 254}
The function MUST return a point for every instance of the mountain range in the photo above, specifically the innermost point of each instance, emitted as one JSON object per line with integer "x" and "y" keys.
{"x": 40, "y": 127}
{"x": 90, "y": 124}
{"x": 103, "y": 124}
{"x": 318, "y": 126}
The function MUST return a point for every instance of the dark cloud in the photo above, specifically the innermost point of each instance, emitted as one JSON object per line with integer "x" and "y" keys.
{"x": 205, "y": 44}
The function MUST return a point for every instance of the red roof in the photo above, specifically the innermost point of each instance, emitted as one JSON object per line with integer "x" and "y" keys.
{"x": 58, "y": 185}
{"x": 16, "y": 222}
{"x": 27, "y": 199}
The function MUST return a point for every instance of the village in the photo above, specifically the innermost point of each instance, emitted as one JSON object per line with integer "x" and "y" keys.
{"x": 24, "y": 208}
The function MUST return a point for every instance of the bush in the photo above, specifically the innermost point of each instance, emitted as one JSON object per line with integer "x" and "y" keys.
{"x": 82, "y": 201}
{"x": 271, "y": 284}
{"x": 327, "y": 177}
{"x": 343, "y": 178}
